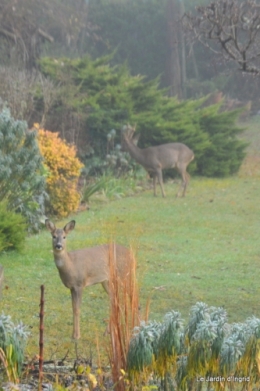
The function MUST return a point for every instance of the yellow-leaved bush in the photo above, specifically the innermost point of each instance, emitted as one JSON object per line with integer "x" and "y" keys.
{"x": 63, "y": 171}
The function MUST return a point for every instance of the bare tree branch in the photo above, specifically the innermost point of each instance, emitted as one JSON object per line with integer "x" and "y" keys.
{"x": 45, "y": 35}
{"x": 230, "y": 28}
{"x": 26, "y": 24}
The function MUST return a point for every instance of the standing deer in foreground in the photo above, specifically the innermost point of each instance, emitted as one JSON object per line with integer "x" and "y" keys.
{"x": 156, "y": 159}
{"x": 85, "y": 267}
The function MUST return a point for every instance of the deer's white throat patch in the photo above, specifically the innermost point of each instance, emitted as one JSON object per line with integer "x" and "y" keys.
{"x": 59, "y": 262}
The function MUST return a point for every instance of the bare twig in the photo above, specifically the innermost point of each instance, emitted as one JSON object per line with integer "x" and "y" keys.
{"x": 230, "y": 28}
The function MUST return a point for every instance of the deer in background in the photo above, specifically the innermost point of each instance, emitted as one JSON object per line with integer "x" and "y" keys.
{"x": 155, "y": 159}
{"x": 85, "y": 267}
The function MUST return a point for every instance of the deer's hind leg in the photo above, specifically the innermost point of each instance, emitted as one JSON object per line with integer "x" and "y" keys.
{"x": 105, "y": 285}
{"x": 185, "y": 180}
{"x": 154, "y": 176}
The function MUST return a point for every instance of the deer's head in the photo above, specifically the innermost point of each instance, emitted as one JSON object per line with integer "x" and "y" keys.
{"x": 128, "y": 135}
{"x": 59, "y": 235}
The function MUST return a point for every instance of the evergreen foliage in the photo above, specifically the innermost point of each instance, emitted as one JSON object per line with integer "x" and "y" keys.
{"x": 208, "y": 347}
{"x": 107, "y": 97}
{"x": 12, "y": 229}
{"x": 21, "y": 174}
{"x": 96, "y": 91}
{"x": 226, "y": 152}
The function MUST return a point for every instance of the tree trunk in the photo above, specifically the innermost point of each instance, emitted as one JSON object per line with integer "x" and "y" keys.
{"x": 183, "y": 51}
{"x": 173, "y": 68}
{"x": 194, "y": 62}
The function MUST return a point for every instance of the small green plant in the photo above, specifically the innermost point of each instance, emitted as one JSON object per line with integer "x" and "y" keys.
{"x": 118, "y": 187}
{"x": 12, "y": 229}
{"x": 92, "y": 188}
{"x": 111, "y": 187}
{"x": 169, "y": 344}
{"x": 12, "y": 345}
{"x": 141, "y": 352}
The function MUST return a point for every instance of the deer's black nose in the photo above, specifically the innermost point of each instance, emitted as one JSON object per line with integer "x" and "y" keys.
{"x": 58, "y": 246}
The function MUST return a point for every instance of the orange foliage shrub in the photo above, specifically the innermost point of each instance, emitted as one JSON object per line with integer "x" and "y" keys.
{"x": 63, "y": 170}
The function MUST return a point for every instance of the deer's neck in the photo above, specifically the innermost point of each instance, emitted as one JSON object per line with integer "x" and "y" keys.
{"x": 136, "y": 153}
{"x": 66, "y": 268}
{"x": 62, "y": 260}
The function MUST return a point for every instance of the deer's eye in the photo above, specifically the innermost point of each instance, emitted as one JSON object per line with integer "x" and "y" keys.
{"x": 64, "y": 237}
{"x": 54, "y": 237}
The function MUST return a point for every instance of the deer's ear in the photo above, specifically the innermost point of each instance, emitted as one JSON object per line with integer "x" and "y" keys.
{"x": 49, "y": 225}
{"x": 69, "y": 226}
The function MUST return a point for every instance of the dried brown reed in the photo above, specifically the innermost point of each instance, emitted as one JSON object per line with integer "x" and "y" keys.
{"x": 124, "y": 315}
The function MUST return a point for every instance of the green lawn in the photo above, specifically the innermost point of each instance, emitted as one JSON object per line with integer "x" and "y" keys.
{"x": 204, "y": 247}
{"x": 201, "y": 248}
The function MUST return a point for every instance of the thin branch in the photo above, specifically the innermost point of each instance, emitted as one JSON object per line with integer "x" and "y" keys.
{"x": 233, "y": 25}
{"x": 45, "y": 35}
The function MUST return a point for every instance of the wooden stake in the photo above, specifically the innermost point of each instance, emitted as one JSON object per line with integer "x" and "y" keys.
{"x": 41, "y": 339}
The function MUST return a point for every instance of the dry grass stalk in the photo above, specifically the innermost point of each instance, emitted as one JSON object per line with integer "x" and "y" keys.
{"x": 3, "y": 360}
{"x": 124, "y": 315}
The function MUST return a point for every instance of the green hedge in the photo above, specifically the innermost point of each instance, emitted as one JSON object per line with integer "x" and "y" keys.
{"x": 12, "y": 229}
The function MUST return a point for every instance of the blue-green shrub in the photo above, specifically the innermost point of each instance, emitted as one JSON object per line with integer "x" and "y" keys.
{"x": 22, "y": 179}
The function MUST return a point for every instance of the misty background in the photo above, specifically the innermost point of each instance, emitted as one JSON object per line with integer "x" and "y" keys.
{"x": 144, "y": 36}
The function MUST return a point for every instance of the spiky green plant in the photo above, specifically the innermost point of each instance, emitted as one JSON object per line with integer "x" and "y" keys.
{"x": 182, "y": 372}
{"x": 169, "y": 343}
{"x": 240, "y": 354}
{"x": 219, "y": 316}
{"x": 199, "y": 312}
{"x": 250, "y": 363}
{"x": 231, "y": 352}
{"x": 12, "y": 344}
{"x": 200, "y": 352}
{"x": 208, "y": 347}
{"x": 205, "y": 334}
{"x": 140, "y": 356}
{"x": 90, "y": 189}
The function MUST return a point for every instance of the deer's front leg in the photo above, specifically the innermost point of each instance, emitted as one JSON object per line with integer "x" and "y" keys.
{"x": 76, "y": 296}
{"x": 160, "y": 180}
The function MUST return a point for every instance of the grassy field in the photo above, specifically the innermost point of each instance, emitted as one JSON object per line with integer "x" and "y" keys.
{"x": 204, "y": 247}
